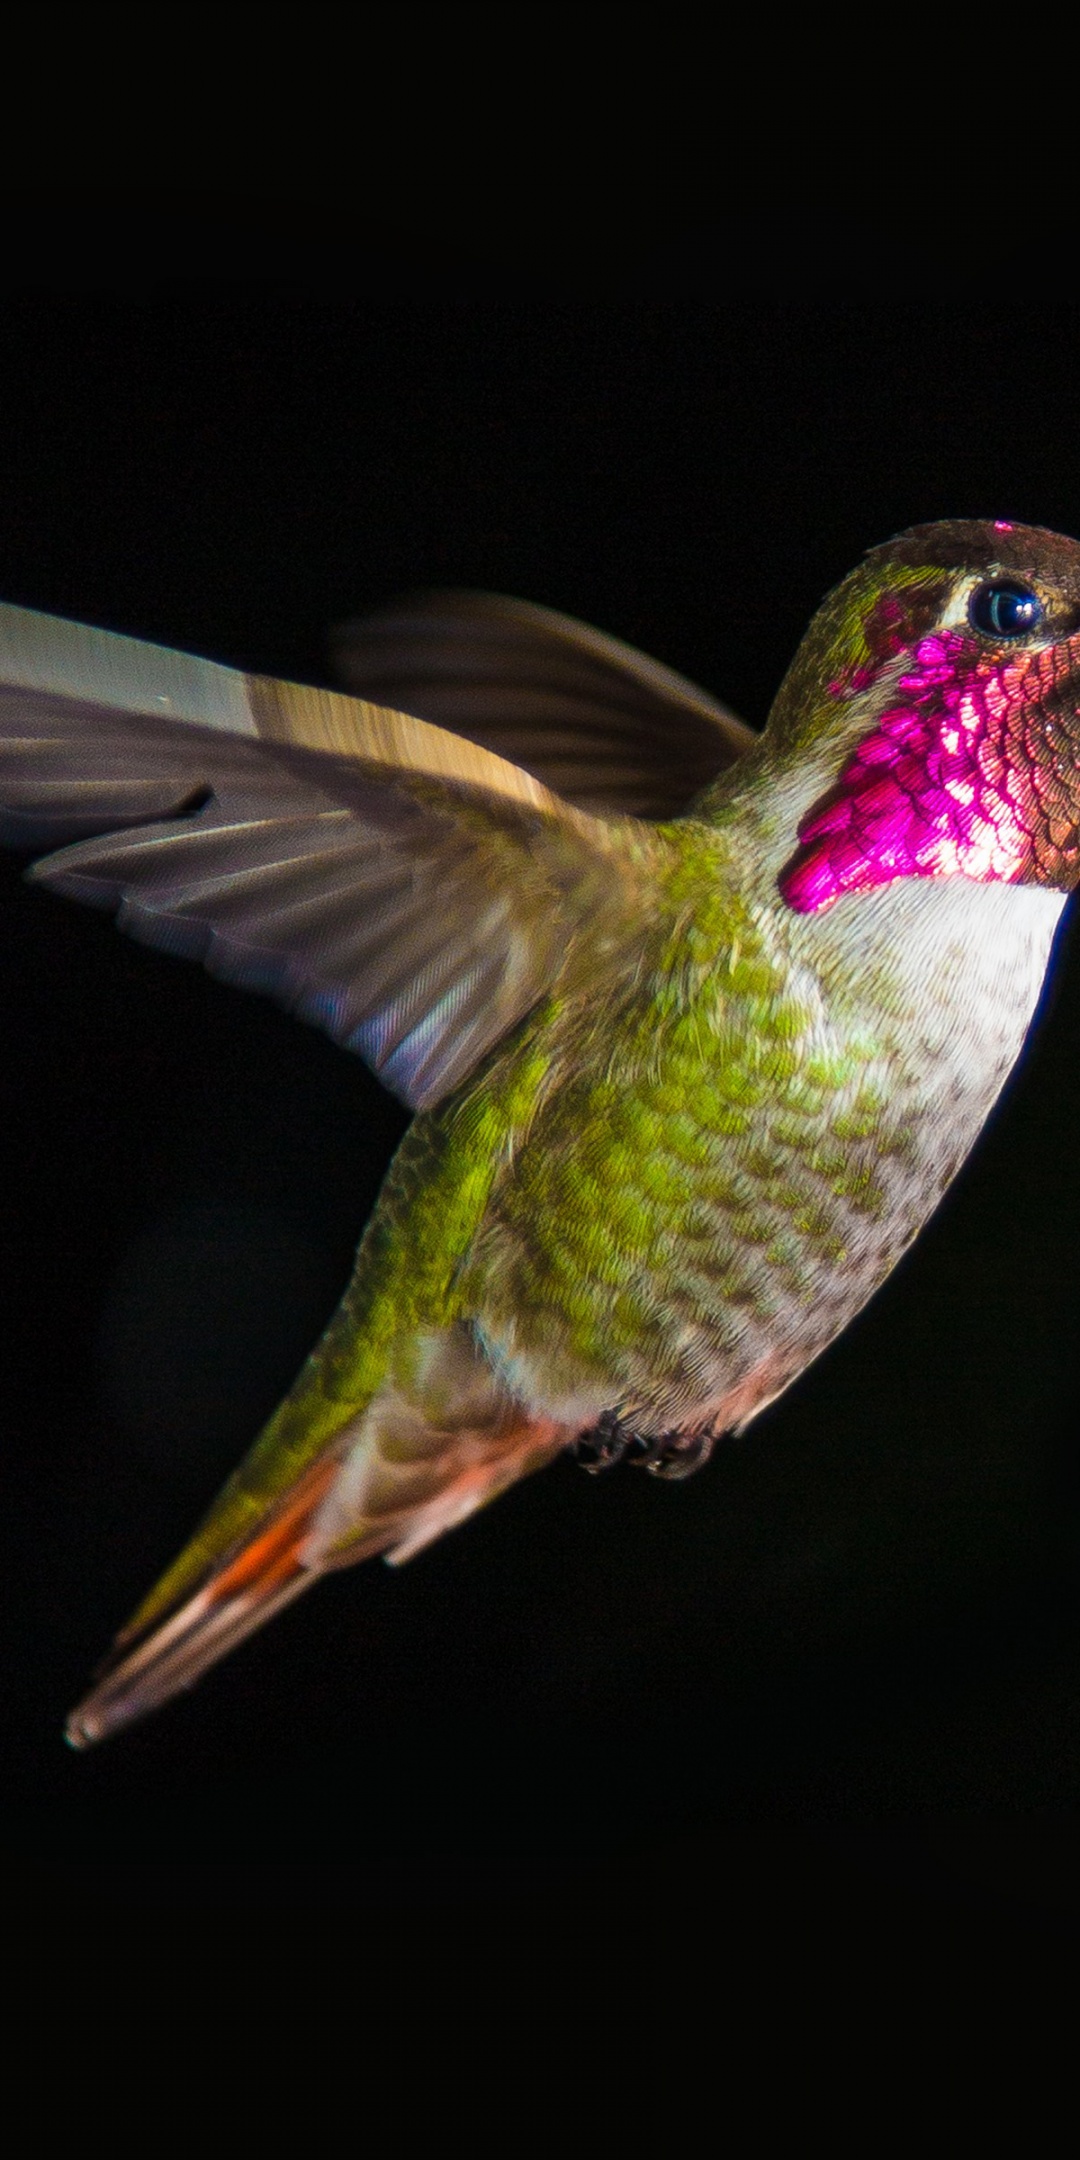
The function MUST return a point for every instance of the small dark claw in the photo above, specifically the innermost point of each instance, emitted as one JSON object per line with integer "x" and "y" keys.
{"x": 604, "y": 1444}
{"x": 678, "y": 1454}
{"x": 666, "y": 1455}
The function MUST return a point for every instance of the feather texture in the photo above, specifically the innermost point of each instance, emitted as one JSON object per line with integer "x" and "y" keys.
{"x": 602, "y": 725}
{"x": 390, "y": 1481}
{"x": 411, "y": 892}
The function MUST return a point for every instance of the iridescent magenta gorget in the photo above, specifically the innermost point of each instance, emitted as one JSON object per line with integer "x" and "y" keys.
{"x": 967, "y": 771}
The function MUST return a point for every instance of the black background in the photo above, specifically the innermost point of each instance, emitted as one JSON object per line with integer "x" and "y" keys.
{"x": 832, "y": 1682}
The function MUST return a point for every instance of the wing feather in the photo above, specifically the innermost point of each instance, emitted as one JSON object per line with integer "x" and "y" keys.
{"x": 411, "y": 892}
{"x": 602, "y": 725}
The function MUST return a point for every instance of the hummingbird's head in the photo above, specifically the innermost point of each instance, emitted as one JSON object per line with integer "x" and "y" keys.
{"x": 945, "y": 675}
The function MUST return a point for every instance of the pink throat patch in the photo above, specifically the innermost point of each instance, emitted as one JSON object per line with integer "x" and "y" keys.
{"x": 958, "y": 778}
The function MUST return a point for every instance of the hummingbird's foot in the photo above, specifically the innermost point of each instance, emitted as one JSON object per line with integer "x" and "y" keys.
{"x": 605, "y": 1443}
{"x": 668, "y": 1455}
{"x": 676, "y": 1454}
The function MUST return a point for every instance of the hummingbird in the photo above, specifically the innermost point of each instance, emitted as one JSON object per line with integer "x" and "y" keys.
{"x": 697, "y": 1023}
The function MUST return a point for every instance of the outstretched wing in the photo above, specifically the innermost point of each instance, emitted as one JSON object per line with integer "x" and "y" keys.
{"x": 410, "y": 891}
{"x": 603, "y": 726}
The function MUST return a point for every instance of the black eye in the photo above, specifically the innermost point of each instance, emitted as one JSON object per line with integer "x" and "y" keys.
{"x": 1004, "y": 609}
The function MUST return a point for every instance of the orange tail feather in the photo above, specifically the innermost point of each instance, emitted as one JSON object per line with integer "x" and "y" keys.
{"x": 148, "y": 1666}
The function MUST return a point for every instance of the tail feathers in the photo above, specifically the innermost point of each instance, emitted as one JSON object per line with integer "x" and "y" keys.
{"x": 148, "y": 1666}
{"x": 401, "y": 1484}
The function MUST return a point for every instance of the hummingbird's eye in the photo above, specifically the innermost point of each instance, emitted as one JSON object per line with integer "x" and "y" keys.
{"x": 1004, "y": 609}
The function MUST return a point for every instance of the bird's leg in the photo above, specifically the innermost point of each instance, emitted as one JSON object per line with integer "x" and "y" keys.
{"x": 668, "y": 1455}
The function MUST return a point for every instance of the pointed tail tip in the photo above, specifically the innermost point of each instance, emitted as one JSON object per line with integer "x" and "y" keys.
{"x": 106, "y": 1710}
{"x": 83, "y": 1730}
{"x": 145, "y": 1673}
{"x": 150, "y": 1663}
{"x": 109, "y": 1708}
{"x": 135, "y": 1678}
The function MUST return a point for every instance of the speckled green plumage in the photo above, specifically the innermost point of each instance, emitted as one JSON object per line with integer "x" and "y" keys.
{"x": 702, "y": 1130}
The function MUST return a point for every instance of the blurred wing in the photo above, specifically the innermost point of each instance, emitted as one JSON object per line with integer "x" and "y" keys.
{"x": 410, "y": 892}
{"x": 604, "y": 727}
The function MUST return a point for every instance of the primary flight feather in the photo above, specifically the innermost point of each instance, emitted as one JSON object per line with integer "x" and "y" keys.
{"x": 697, "y": 1024}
